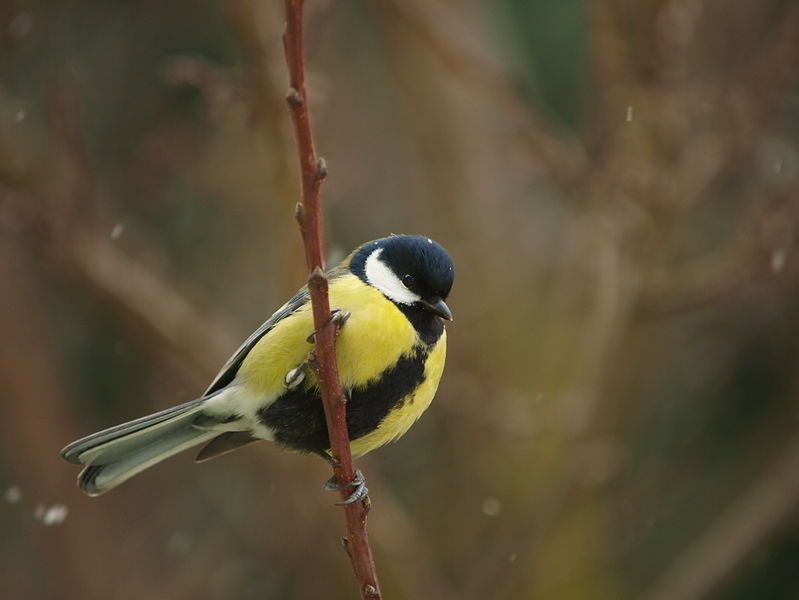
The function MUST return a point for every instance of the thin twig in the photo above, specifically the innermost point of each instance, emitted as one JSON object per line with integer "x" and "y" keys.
{"x": 313, "y": 172}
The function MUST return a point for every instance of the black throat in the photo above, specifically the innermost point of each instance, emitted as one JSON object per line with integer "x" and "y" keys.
{"x": 429, "y": 326}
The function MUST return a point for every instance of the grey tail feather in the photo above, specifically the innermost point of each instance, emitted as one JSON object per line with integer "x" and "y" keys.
{"x": 118, "y": 453}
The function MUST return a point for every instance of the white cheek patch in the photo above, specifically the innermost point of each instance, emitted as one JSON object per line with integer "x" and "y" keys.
{"x": 381, "y": 277}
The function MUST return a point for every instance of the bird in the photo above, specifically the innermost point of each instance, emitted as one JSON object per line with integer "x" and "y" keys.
{"x": 390, "y": 353}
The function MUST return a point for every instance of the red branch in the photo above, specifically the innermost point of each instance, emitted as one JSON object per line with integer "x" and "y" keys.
{"x": 309, "y": 217}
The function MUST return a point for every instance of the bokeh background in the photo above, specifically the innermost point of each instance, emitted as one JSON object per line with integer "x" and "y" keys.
{"x": 618, "y": 183}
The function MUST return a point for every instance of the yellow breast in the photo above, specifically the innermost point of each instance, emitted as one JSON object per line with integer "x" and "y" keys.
{"x": 376, "y": 335}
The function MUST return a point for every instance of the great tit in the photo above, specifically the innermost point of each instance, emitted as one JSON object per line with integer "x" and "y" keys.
{"x": 390, "y": 357}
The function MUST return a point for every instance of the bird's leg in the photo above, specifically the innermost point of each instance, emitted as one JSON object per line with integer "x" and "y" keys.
{"x": 359, "y": 483}
{"x": 337, "y": 319}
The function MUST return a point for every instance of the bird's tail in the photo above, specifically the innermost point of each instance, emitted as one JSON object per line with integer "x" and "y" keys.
{"x": 114, "y": 455}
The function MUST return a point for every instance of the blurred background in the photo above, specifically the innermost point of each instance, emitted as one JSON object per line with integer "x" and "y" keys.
{"x": 618, "y": 183}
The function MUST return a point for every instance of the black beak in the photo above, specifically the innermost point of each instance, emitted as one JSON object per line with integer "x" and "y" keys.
{"x": 438, "y": 307}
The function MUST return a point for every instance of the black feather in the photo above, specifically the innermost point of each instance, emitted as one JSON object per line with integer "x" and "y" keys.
{"x": 297, "y": 418}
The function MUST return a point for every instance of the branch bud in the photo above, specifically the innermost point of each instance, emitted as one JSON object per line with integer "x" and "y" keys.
{"x": 294, "y": 98}
{"x": 321, "y": 169}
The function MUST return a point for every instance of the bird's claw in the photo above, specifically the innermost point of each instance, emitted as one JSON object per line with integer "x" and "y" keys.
{"x": 296, "y": 376}
{"x": 337, "y": 319}
{"x": 359, "y": 483}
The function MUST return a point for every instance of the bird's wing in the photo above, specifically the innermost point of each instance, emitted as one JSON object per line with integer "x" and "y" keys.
{"x": 228, "y": 372}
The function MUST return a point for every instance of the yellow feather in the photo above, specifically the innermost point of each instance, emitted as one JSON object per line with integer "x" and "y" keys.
{"x": 376, "y": 335}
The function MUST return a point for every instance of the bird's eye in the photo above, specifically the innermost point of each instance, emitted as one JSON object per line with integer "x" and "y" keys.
{"x": 408, "y": 280}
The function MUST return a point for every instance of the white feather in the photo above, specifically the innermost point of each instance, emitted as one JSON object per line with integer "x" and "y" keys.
{"x": 380, "y": 276}
{"x": 238, "y": 399}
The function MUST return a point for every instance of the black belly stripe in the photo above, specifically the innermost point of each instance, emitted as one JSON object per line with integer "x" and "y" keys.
{"x": 297, "y": 418}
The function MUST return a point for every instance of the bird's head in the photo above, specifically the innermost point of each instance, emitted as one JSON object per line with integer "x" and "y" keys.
{"x": 410, "y": 270}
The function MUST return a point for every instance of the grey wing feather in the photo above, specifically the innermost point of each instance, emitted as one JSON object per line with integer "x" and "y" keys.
{"x": 231, "y": 367}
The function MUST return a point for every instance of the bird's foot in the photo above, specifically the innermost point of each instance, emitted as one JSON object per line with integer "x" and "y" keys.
{"x": 296, "y": 376}
{"x": 359, "y": 483}
{"x": 337, "y": 320}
